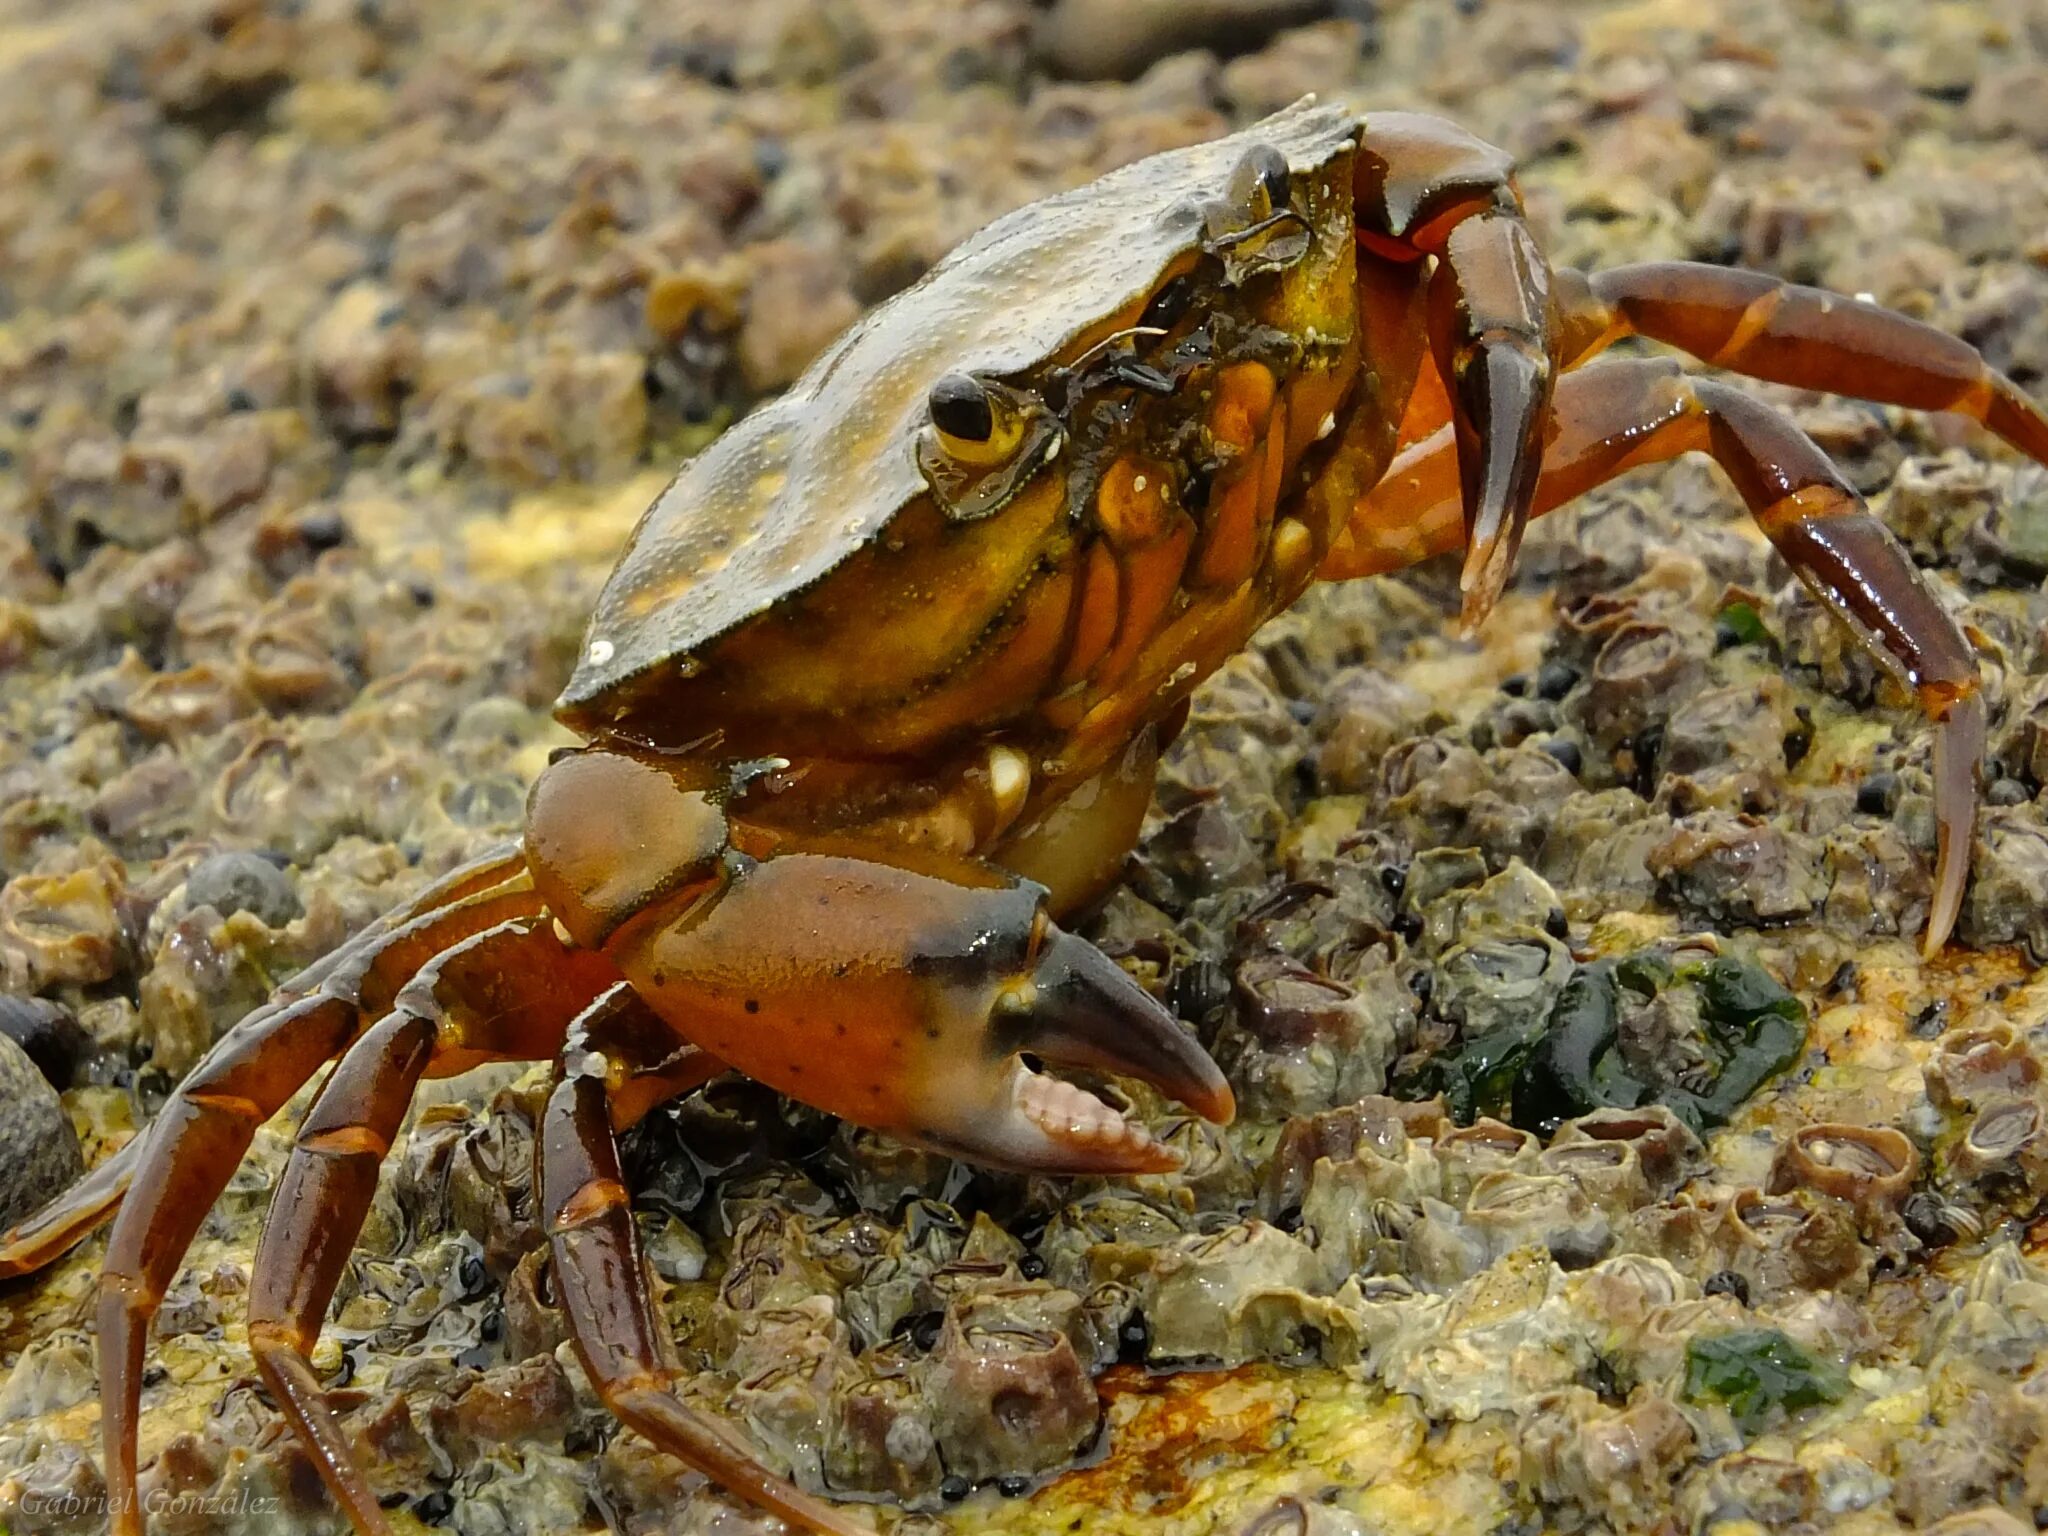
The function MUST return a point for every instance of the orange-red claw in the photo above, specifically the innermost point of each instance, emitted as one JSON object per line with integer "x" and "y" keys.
{"x": 1958, "y": 759}
{"x": 1079, "y": 1009}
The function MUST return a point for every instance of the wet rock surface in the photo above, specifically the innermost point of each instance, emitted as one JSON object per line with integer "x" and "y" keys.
{"x": 1609, "y": 1162}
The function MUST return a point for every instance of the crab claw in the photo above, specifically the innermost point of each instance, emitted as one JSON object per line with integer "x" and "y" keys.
{"x": 1077, "y": 1008}
{"x": 906, "y": 999}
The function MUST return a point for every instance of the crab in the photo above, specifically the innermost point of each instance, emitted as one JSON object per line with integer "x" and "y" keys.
{"x": 876, "y": 693}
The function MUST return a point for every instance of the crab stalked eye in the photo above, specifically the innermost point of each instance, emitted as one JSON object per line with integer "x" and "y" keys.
{"x": 1255, "y": 226}
{"x": 986, "y": 438}
{"x": 961, "y": 409}
{"x": 1259, "y": 185}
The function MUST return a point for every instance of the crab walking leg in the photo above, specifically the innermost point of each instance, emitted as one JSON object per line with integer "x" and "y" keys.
{"x": 1761, "y": 326}
{"x": 200, "y": 1137}
{"x": 505, "y": 994}
{"x": 588, "y": 1217}
{"x": 895, "y": 987}
{"x": 1425, "y": 187}
{"x": 79, "y": 1211}
{"x": 1616, "y": 416}
{"x": 74, "y": 1215}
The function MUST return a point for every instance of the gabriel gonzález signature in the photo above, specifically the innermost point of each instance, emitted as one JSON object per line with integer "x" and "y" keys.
{"x": 71, "y": 1504}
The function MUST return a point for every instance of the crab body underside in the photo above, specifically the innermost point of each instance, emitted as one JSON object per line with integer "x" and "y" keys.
{"x": 876, "y": 693}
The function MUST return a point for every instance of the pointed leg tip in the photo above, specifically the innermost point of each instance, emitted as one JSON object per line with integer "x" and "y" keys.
{"x": 1959, "y": 732}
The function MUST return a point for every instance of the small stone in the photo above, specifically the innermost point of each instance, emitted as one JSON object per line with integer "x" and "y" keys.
{"x": 38, "y": 1147}
{"x": 244, "y": 882}
{"x": 1555, "y": 679}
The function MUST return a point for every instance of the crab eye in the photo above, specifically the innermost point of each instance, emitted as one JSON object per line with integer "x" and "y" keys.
{"x": 961, "y": 409}
{"x": 1259, "y": 185}
{"x": 985, "y": 439}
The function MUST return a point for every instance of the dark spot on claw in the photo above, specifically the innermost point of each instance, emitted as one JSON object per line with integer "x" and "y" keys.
{"x": 754, "y": 1006}
{"x": 1728, "y": 1282}
{"x": 955, "y": 1488}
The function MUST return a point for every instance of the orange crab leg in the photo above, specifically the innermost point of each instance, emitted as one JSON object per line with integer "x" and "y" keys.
{"x": 199, "y": 1139}
{"x": 504, "y": 994}
{"x": 80, "y": 1210}
{"x": 599, "y": 1273}
{"x": 1766, "y": 328}
{"x": 1616, "y": 416}
{"x": 1425, "y": 187}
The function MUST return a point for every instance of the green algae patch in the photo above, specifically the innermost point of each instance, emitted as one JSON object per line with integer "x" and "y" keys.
{"x": 1758, "y": 1375}
{"x": 1540, "y": 1071}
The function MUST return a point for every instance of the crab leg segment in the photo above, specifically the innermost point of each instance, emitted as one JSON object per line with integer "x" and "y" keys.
{"x": 1616, "y": 416}
{"x": 1758, "y": 325}
{"x": 80, "y": 1210}
{"x": 199, "y": 1139}
{"x": 899, "y": 995}
{"x": 506, "y": 993}
{"x": 1425, "y": 187}
{"x": 603, "y": 1282}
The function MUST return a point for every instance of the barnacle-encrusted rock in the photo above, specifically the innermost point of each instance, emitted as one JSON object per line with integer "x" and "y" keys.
{"x": 2003, "y": 1153}
{"x": 880, "y": 1437}
{"x": 361, "y": 358}
{"x": 1871, "y": 1168}
{"x": 1793, "y": 1241}
{"x": 786, "y": 1363}
{"x": 1640, "y": 674}
{"x": 1723, "y": 867}
{"x": 1493, "y": 984}
{"x": 1502, "y": 1337}
{"x": 1009, "y": 1393}
{"x": 1666, "y": 1152}
{"x": 1618, "y": 1461}
{"x": 2000, "y": 1319}
{"x": 61, "y": 927}
{"x": 1510, "y": 1210}
{"x": 38, "y": 1147}
{"x": 1979, "y": 1066}
{"x": 2007, "y": 900}
{"x": 1313, "y": 1042}
{"x": 1201, "y": 1304}
{"x": 1985, "y": 1520}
